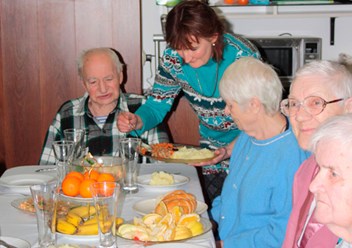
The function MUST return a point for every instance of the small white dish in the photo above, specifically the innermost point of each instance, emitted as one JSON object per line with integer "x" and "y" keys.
{"x": 144, "y": 181}
{"x": 147, "y": 206}
{"x": 18, "y": 243}
{"x": 21, "y": 183}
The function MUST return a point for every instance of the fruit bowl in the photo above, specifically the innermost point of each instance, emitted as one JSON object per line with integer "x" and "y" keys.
{"x": 80, "y": 175}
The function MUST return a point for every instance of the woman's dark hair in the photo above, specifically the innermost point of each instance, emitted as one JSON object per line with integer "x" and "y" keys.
{"x": 193, "y": 18}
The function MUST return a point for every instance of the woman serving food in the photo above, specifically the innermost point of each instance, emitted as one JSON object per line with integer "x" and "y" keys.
{"x": 197, "y": 55}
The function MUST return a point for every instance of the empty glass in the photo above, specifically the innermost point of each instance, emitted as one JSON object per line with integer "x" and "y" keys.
{"x": 45, "y": 204}
{"x": 63, "y": 151}
{"x": 129, "y": 154}
{"x": 106, "y": 195}
{"x": 78, "y": 137}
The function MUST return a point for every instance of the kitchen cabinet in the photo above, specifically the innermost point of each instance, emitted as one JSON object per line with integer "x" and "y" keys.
{"x": 40, "y": 42}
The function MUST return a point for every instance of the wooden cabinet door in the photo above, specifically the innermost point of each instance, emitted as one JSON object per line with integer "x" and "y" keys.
{"x": 40, "y": 42}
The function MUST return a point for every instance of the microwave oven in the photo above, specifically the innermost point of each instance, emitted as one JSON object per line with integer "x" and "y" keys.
{"x": 287, "y": 54}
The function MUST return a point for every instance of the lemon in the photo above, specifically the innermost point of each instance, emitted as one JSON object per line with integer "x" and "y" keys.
{"x": 195, "y": 227}
{"x": 187, "y": 218}
{"x": 182, "y": 232}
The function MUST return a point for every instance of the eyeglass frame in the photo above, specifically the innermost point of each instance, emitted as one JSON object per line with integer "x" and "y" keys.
{"x": 301, "y": 103}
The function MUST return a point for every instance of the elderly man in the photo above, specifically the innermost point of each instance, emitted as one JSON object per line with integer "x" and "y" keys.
{"x": 332, "y": 187}
{"x": 319, "y": 91}
{"x": 101, "y": 73}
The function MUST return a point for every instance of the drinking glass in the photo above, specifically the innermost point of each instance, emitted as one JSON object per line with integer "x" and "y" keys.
{"x": 78, "y": 137}
{"x": 106, "y": 195}
{"x": 63, "y": 151}
{"x": 45, "y": 203}
{"x": 129, "y": 154}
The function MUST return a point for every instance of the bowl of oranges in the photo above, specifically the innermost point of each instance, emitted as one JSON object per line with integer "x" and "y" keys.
{"x": 80, "y": 175}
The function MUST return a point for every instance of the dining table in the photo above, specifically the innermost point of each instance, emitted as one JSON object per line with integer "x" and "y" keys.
{"x": 19, "y": 224}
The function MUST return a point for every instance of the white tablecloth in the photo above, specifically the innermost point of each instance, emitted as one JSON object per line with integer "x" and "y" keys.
{"x": 18, "y": 224}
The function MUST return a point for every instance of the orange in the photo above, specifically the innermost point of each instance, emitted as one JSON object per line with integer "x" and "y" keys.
{"x": 106, "y": 177}
{"x": 71, "y": 186}
{"x": 84, "y": 188}
{"x": 91, "y": 174}
{"x": 75, "y": 174}
{"x": 107, "y": 189}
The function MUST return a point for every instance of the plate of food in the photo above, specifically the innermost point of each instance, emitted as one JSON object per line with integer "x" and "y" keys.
{"x": 21, "y": 183}
{"x": 25, "y": 204}
{"x": 172, "y": 153}
{"x": 155, "y": 229}
{"x": 165, "y": 203}
{"x": 160, "y": 180}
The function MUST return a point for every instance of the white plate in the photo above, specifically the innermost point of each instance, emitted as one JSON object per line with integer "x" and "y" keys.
{"x": 144, "y": 181}
{"x": 147, "y": 206}
{"x": 78, "y": 237}
{"x": 76, "y": 198}
{"x": 18, "y": 243}
{"x": 21, "y": 183}
{"x": 206, "y": 228}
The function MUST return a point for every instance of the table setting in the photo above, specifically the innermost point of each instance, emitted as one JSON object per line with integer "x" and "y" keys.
{"x": 136, "y": 198}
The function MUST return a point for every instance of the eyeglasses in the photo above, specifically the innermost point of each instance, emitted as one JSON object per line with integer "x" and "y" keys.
{"x": 313, "y": 105}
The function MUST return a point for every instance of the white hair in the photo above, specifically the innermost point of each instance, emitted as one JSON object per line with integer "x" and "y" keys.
{"x": 335, "y": 75}
{"x": 249, "y": 77}
{"x": 337, "y": 128}
{"x": 103, "y": 50}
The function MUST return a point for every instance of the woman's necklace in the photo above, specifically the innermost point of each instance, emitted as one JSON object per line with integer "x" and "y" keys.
{"x": 216, "y": 82}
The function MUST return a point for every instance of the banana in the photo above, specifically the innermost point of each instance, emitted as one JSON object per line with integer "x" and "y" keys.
{"x": 92, "y": 220}
{"x": 84, "y": 211}
{"x": 73, "y": 218}
{"x": 65, "y": 227}
{"x": 91, "y": 229}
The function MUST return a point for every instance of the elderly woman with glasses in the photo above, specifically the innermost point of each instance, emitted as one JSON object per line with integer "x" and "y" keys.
{"x": 255, "y": 202}
{"x": 320, "y": 90}
{"x": 332, "y": 187}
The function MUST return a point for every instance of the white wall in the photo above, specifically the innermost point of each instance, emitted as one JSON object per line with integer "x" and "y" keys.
{"x": 318, "y": 26}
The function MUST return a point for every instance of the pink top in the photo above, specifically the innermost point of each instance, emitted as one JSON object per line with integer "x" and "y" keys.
{"x": 320, "y": 237}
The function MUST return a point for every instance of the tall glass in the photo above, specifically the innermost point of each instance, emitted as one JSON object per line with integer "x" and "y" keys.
{"x": 45, "y": 204}
{"x": 106, "y": 195}
{"x": 129, "y": 153}
{"x": 63, "y": 151}
{"x": 78, "y": 137}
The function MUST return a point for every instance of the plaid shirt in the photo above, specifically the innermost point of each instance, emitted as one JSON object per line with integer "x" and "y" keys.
{"x": 100, "y": 140}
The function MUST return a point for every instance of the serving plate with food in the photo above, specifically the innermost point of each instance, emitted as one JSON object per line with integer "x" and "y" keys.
{"x": 81, "y": 174}
{"x": 172, "y": 153}
{"x": 173, "y": 218}
{"x": 26, "y": 205}
{"x": 160, "y": 180}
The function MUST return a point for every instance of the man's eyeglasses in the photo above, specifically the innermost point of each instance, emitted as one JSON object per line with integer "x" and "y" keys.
{"x": 313, "y": 105}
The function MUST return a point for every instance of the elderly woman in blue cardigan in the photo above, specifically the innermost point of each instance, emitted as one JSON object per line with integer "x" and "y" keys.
{"x": 255, "y": 203}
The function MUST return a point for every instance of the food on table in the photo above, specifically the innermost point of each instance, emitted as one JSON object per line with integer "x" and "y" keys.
{"x": 62, "y": 206}
{"x": 161, "y": 178}
{"x": 186, "y": 201}
{"x": 192, "y": 153}
{"x": 168, "y": 150}
{"x": 78, "y": 182}
{"x": 82, "y": 221}
{"x": 166, "y": 225}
